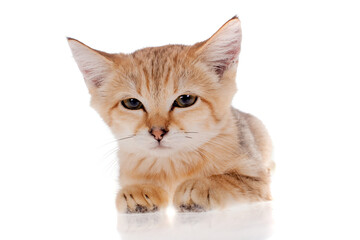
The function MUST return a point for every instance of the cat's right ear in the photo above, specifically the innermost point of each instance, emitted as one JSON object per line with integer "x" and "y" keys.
{"x": 93, "y": 64}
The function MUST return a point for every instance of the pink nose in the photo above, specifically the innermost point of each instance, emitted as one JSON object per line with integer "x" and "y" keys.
{"x": 158, "y": 133}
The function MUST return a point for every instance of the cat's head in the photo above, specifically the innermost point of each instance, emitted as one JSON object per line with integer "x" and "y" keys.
{"x": 158, "y": 101}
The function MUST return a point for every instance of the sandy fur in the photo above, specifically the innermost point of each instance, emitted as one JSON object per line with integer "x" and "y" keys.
{"x": 214, "y": 155}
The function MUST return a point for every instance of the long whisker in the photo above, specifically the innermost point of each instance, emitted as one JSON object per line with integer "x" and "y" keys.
{"x": 120, "y": 139}
{"x": 110, "y": 152}
{"x": 183, "y": 132}
{"x": 108, "y": 143}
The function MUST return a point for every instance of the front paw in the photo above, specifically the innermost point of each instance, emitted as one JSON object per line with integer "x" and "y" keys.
{"x": 141, "y": 199}
{"x": 196, "y": 195}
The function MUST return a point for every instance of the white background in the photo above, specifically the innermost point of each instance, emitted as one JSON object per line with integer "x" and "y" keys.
{"x": 299, "y": 72}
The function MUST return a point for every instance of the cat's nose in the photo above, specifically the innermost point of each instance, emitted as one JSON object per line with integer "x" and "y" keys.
{"x": 158, "y": 133}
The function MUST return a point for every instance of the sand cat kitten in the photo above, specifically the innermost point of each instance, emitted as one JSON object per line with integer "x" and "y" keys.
{"x": 179, "y": 139}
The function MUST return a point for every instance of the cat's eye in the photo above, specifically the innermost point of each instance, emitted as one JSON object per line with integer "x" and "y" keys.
{"x": 132, "y": 104}
{"x": 184, "y": 101}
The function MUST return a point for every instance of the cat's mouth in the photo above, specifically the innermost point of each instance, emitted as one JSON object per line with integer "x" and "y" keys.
{"x": 161, "y": 147}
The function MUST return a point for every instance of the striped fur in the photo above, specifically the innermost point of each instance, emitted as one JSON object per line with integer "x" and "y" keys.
{"x": 213, "y": 154}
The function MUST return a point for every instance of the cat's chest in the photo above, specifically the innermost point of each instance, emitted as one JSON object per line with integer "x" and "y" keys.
{"x": 167, "y": 173}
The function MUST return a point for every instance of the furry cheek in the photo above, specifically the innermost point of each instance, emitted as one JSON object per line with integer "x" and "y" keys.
{"x": 126, "y": 122}
{"x": 197, "y": 124}
{"x": 199, "y": 117}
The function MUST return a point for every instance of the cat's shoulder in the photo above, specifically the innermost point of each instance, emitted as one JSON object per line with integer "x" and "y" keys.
{"x": 241, "y": 116}
{"x": 246, "y": 122}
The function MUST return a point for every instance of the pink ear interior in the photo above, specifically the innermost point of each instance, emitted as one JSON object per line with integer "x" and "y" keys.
{"x": 223, "y": 48}
{"x": 94, "y": 66}
{"x": 96, "y": 81}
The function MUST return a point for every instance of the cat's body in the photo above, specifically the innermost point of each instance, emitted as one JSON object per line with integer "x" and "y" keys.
{"x": 179, "y": 138}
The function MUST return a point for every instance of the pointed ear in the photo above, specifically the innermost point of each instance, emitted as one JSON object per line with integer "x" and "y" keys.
{"x": 223, "y": 48}
{"x": 93, "y": 64}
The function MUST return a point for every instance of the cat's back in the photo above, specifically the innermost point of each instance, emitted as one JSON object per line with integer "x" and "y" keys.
{"x": 253, "y": 138}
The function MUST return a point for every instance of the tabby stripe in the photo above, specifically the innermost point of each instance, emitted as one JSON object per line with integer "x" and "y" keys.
{"x": 147, "y": 80}
{"x": 213, "y": 113}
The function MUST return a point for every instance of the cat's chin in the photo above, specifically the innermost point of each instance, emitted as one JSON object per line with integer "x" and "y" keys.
{"x": 161, "y": 148}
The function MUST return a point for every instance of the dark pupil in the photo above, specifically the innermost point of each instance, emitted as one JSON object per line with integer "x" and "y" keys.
{"x": 185, "y": 99}
{"x": 133, "y": 102}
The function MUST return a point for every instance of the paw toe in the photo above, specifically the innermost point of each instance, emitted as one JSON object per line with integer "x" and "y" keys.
{"x": 191, "y": 208}
{"x": 143, "y": 209}
{"x": 140, "y": 209}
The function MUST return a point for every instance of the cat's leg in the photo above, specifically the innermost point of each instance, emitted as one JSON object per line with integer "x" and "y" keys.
{"x": 217, "y": 191}
{"x": 141, "y": 198}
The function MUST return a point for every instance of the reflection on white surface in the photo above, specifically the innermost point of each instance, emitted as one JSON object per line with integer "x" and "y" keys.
{"x": 298, "y": 72}
{"x": 251, "y": 221}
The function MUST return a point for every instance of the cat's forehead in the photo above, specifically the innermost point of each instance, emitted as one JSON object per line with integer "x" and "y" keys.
{"x": 162, "y": 53}
{"x": 156, "y": 61}
{"x": 161, "y": 73}
{"x": 157, "y": 71}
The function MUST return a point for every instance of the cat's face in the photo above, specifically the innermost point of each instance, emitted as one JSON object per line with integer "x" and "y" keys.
{"x": 159, "y": 101}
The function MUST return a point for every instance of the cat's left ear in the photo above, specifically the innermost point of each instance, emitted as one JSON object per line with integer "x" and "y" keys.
{"x": 222, "y": 49}
{"x": 96, "y": 66}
